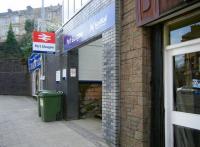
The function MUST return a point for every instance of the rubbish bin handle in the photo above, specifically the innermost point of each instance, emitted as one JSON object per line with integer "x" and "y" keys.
{"x": 60, "y": 92}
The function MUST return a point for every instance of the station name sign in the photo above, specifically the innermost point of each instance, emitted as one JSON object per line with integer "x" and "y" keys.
{"x": 44, "y": 42}
{"x": 98, "y": 23}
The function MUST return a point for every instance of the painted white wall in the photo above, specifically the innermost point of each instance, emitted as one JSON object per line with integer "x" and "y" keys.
{"x": 90, "y": 61}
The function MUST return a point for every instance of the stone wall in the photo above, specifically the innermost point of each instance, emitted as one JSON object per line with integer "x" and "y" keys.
{"x": 135, "y": 76}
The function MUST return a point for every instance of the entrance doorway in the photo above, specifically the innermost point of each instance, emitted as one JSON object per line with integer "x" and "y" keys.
{"x": 182, "y": 94}
{"x": 90, "y": 76}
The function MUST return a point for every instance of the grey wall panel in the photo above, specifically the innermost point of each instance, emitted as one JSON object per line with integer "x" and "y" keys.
{"x": 90, "y": 61}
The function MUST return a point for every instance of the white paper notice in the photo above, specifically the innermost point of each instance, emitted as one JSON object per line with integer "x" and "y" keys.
{"x": 73, "y": 72}
{"x": 42, "y": 78}
{"x": 58, "y": 76}
{"x": 64, "y": 73}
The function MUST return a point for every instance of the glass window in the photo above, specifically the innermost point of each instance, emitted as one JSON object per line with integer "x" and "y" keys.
{"x": 65, "y": 11}
{"x": 185, "y": 33}
{"x": 16, "y": 30}
{"x": 77, "y": 5}
{"x": 187, "y": 82}
{"x": 15, "y": 19}
{"x": 71, "y": 8}
{"x": 186, "y": 137}
{"x": 84, "y": 1}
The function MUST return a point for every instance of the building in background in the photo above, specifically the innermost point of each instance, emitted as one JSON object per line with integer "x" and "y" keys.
{"x": 53, "y": 15}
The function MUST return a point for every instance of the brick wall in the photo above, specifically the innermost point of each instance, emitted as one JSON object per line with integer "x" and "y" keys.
{"x": 135, "y": 75}
{"x": 110, "y": 90}
{"x": 90, "y": 99}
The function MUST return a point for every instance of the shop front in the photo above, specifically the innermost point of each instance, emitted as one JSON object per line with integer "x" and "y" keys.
{"x": 86, "y": 66}
{"x": 175, "y": 46}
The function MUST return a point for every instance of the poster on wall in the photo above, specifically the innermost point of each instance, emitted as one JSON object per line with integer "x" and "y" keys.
{"x": 44, "y": 42}
{"x": 58, "y": 76}
{"x": 64, "y": 73}
{"x": 73, "y": 72}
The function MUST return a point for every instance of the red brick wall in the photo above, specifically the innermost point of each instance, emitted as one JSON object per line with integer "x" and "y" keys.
{"x": 93, "y": 92}
{"x": 90, "y": 99}
{"x": 135, "y": 64}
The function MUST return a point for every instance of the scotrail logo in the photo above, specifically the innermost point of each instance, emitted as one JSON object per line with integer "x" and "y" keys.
{"x": 44, "y": 37}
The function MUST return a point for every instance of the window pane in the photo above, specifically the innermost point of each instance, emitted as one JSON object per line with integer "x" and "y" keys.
{"x": 15, "y": 19}
{"x": 187, "y": 83}
{"x": 186, "y": 137}
{"x": 185, "y": 33}
{"x": 84, "y": 1}
{"x": 65, "y": 11}
{"x": 77, "y": 5}
{"x": 71, "y": 8}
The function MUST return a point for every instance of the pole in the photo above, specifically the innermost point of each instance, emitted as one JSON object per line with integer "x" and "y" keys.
{"x": 43, "y": 29}
{"x": 43, "y": 11}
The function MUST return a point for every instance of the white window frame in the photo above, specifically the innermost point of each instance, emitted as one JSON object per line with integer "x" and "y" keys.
{"x": 66, "y": 4}
{"x": 174, "y": 117}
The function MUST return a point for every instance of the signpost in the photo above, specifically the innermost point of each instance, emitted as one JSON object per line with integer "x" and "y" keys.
{"x": 44, "y": 42}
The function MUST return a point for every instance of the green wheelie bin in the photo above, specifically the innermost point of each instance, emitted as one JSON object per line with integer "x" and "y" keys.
{"x": 50, "y": 105}
{"x": 38, "y": 100}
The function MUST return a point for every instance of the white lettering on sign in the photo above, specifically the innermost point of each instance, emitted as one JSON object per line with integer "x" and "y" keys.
{"x": 43, "y": 47}
{"x": 100, "y": 23}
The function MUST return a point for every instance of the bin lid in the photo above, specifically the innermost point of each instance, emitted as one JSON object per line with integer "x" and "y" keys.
{"x": 46, "y": 91}
{"x": 50, "y": 93}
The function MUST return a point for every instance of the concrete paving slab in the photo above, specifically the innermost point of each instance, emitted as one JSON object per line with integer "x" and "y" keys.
{"x": 20, "y": 126}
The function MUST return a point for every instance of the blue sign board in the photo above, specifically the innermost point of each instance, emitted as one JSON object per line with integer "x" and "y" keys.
{"x": 34, "y": 62}
{"x": 195, "y": 83}
{"x": 100, "y": 22}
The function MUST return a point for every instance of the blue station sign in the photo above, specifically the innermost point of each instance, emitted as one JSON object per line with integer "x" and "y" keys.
{"x": 34, "y": 62}
{"x": 100, "y": 22}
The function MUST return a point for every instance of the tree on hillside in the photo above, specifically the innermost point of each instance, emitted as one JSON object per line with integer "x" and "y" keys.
{"x": 26, "y": 41}
{"x": 29, "y": 26}
{"x": 11, "y": 46}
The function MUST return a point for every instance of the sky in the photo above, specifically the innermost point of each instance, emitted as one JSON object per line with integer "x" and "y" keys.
{"x": 21, "y": 4}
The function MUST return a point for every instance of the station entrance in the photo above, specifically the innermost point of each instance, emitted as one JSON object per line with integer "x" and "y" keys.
{"x": 90, "y": 72}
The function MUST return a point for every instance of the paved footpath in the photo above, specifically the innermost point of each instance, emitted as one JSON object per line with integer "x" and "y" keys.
{"x": 20, "y": 126}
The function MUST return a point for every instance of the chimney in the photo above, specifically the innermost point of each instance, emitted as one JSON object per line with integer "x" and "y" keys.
{"x": 9, "y": 11}
{"x": 29, "y": 8}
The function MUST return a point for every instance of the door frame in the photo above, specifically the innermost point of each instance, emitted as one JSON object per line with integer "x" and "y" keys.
{"x": 174, "y": 117}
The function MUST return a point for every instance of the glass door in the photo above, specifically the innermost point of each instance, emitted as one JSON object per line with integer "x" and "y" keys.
{"x": 182, "y": 94}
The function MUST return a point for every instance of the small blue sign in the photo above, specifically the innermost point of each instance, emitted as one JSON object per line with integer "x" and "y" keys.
{"x": 34, "y": 62}
{"x": 195, "y": 83}
{"x": 100, "y": 22}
